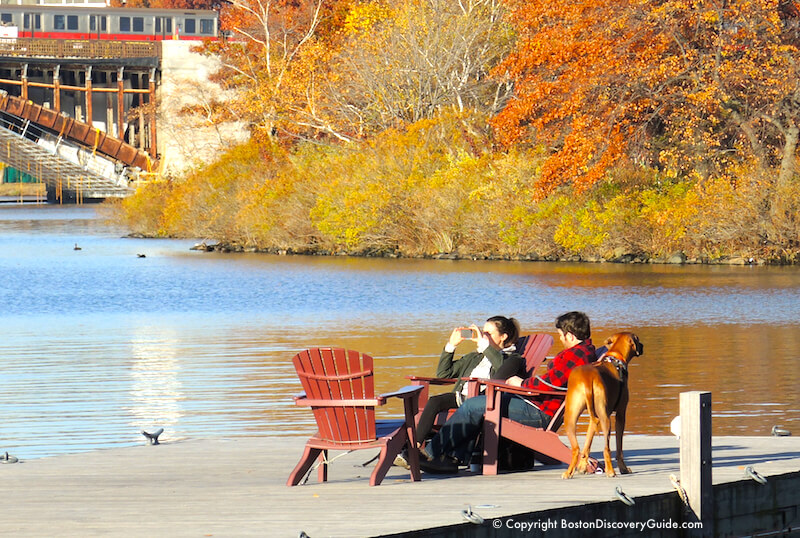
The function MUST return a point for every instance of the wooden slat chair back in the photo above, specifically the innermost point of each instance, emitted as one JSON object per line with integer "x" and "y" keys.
{"x": 343, "y": 375}
{"x": 535, "y": 347}
{"x": 339, "y": 388}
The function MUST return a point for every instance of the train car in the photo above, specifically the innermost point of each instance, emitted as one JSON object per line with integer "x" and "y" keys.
{"x": 122, "y": 24}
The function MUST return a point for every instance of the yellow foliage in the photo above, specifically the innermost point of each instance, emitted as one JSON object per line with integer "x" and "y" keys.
{"x": 362, "y": 17}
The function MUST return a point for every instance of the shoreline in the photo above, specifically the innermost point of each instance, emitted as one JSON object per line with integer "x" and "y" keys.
{"x": 677, "y": 258}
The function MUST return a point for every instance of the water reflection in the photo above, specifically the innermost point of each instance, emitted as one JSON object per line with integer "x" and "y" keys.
{"x": 156, "y": 389}
{"x": 99, "y": 344}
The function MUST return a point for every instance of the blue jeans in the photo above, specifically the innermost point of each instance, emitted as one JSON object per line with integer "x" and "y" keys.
{"x": 457, "y": 436}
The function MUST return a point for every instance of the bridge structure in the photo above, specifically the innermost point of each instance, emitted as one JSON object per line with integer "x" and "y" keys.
{"x": 59, "y": 102}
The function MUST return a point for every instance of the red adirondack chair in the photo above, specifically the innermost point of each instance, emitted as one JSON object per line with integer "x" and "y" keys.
{"x": 544, "y": 441}
{"x": 534, "y": 350}
{"x": 339, "y": 388}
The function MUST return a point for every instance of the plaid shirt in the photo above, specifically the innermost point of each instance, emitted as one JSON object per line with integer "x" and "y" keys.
{"x": 557, "y": 373}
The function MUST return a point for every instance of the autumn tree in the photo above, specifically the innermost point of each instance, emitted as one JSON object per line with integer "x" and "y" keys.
{"x": 402, "y": 62}
{"x": 278, "y": 53}
{"x": 349, "y": 69}
{"x": 687, "y": 87}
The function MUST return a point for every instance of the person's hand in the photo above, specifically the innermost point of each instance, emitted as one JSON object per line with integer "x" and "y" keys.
{"x": 455, "y": 336}
{"x": 481, "y": 339}
{"x": 515, "y": 381}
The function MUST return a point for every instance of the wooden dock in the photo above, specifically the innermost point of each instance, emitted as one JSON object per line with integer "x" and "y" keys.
{"x": 236, "y": 487}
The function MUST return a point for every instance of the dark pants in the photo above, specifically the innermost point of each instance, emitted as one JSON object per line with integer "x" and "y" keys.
{"x": 457, "y": 437}
{"x": 436, "y": 404}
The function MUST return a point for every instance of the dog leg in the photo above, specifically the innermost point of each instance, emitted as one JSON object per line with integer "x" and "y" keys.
{"x": 583, "y": 462}
{"x": 592, "y": 427}
{"x": 573, "y": 409}
{"x": 619, "y": 419}
{"x": 605, "y": 425}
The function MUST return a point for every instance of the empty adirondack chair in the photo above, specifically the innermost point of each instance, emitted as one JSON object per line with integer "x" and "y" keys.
{"x": 339, "y": 388}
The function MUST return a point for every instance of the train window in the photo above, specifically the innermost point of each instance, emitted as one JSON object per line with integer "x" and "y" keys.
{"x": 5, "y": 18}
{"x": 93, "y": 23}
{"x": 207, "y": 26}
{"x": 59, "y": 22}
{"x": 166, "y": 23}
{"x": 72, "y": 22}
{"x": 138, "y": 24}
{"x": 124, "y": 24}
{"x": 37, "y": 21}
{"x": 189, "y": 26}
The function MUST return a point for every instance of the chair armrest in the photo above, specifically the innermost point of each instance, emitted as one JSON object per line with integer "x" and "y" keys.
{"x": 408, "y": 391}
{"x": 302, "y": 400}
{"x": 493, "y": 387}
{"x": 416, "y": 380}
{"x": 505, "y": 387}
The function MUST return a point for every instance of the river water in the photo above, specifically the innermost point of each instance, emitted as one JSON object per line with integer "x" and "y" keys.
{"x": 100, "y": 343}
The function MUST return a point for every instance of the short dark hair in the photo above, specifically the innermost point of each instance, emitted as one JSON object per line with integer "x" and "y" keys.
{"x": 508, "y": 326}
{"x": 576, "y": 323}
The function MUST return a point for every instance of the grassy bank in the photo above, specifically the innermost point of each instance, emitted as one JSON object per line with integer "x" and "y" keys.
{"x": 438, "y": 189}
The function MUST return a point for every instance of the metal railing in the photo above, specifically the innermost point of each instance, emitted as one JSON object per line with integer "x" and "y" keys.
{"x": 78, "y": 48}
{"x": 53, "y": 160}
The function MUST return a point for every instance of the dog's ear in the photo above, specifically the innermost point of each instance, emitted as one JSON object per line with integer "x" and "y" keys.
{"x": 609, "y": 341}
{"x": 637, "y": 345}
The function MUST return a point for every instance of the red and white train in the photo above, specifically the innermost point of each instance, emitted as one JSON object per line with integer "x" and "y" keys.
{"x": 123, "y": 24}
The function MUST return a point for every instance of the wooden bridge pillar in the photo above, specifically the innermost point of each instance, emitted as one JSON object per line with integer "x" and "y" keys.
{"x": 57, "y": 89}
{"x": 88, "y": 94}
{"x": 152, "y": 102}
{"x": 120, "y": 104}
{"x": 24, "y": 77}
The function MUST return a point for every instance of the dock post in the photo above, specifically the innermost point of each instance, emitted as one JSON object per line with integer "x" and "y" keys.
{"x": 695, "y": 457}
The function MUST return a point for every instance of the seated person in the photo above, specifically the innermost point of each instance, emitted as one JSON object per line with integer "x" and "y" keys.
{"x": 454, "y": 442}
{"x": 496, "y": 357}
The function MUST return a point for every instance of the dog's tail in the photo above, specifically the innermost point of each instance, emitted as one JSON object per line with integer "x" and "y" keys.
{"x": 595, "y": 387}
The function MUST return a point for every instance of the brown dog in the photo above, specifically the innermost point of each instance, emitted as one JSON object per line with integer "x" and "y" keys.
{"x": 601, "y": 387}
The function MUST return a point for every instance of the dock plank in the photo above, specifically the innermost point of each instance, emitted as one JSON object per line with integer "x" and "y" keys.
{"x": 236, "y": 487}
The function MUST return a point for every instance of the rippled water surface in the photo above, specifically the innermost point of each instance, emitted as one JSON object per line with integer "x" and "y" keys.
{"x": 98, "y": 343}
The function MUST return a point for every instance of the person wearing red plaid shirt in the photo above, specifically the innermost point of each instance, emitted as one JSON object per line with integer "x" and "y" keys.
{"x": 454, "y": 441}
{"x": 575, "y": 335}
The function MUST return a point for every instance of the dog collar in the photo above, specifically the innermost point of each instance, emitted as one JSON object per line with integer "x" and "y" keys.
{"x": 619, "y": 364}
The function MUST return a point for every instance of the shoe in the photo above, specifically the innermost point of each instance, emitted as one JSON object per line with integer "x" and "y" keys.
{"x": 424, "y": 455}
{"x": 401, "y": 460}
{"x": 439, "y": 466}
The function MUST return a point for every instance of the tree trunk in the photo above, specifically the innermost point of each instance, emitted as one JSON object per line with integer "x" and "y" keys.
{"x": 789, "y": 159}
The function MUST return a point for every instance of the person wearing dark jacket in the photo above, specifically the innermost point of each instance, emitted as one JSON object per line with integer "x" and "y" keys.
{"x": 495, "y": 357}
{"x": 453, "y": 442}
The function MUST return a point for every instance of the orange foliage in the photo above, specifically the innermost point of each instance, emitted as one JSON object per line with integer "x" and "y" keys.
{"x": 683, "y": 86}
{"x": 570, "y": 69}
